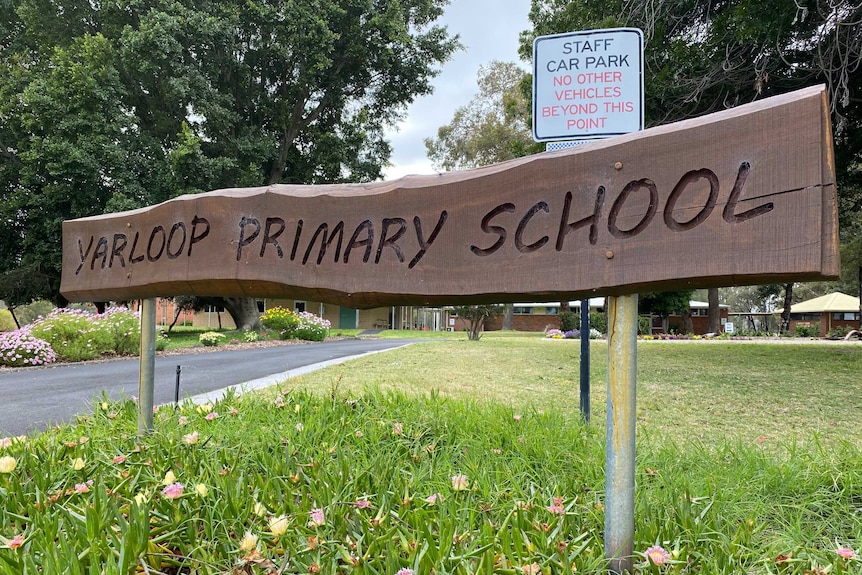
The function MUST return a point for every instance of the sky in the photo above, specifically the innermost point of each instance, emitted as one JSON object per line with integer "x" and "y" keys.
{"x": 488, "y": 30}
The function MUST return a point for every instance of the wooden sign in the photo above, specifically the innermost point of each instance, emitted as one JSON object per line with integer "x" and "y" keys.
{"x": 744, "y": 196}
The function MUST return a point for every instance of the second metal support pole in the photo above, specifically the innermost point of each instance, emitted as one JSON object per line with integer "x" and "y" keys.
{"x": 585, "y": 359}
{"x": 620, "y": 447}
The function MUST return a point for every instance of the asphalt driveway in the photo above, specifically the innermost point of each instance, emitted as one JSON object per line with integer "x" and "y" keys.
{"x": 35, "y": 398}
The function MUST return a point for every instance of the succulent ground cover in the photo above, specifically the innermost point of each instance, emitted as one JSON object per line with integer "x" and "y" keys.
{"x": 341, "y": 472}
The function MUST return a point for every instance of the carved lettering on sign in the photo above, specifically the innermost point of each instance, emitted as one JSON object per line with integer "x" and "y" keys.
{"x": 542, "y": 225}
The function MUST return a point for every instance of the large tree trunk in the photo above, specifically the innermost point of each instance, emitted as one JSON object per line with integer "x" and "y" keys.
{"x": 244, "y": 312}
{"x": 509, "y": 316}
{"x": 714, "y": 311}
{"x": 785, "y": 314}
{"x": 687, "y": 323}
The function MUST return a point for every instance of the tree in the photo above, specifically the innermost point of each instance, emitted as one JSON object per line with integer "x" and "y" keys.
{"x": 666, "y": 303}
{"x": 120, "y": 105}
{"x": 475, "y": 316}
{"x": 702, "y": 56}
{"x": 491, "y": 128}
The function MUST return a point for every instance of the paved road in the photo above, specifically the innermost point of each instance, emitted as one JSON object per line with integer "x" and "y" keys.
{"x": 35, "y": 398}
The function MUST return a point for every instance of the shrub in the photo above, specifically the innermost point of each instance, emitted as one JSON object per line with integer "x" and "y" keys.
{"x": 292, "y": 325}
{"x": 250, "y": 336}
{"x": 20, "y": 348}
{"x": 77, "y": 335}
{"x": 808, "y": 330}
{"x": 280, "y": 319}
{"x": 211, "y": 338}
{"x": 72, "y": 334}
{"x": 644, "y": 325}
{"x": 7, "y": 322}
{"x": 311, "y": 327}
{"x": 599, "y": 321}
{"x": 162, "y": 340}
{"x": 124, "y": 327}
{"x": 569, "y": 320}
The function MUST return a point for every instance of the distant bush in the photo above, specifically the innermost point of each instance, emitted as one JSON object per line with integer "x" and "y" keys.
{"x": 569, "y": 321}
{"x": 808, "y": 330}
{"x": 20, "y": 348}
{"x": 211, "y": 338}
{"x": 7, "y": 322}
{"x": 280, "y": 319}
{"x": 644, "y": 325}
{"x": 77, "y": 335}
{"x": 292, "y": 325}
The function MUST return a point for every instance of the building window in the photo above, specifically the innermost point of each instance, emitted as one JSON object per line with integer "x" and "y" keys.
{"x": 214, "y": 309}
{"x": 261, "y": 306}
{"x": 299, "y": 306}
{"x": 845, "y": 316}
{"x": 522, "y": 310}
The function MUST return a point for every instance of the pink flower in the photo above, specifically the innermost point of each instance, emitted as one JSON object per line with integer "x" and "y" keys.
{"x": 846, "y": 553}
{"x": 361, "y": 503}
{"x": 657, "y": 555}
{"x": 5, "y": 442}
{"x": 83, "y": 487}
{"x": 16, "y": 542}
{"x": 173, "y": 490}
{"x": 432, "y": 499}
{"x": 120, "y": 459}
{"x": 211, "y": 415}
{"x": 317, "y": 517}
{"x": 183, "y": 420}
{"x": 405, "y": 571}
{"x": 556, "y": 507}
{"x": 233, "y": 411}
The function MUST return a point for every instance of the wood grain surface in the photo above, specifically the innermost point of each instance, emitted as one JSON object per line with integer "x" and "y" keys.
{"x": 744, "y": 196}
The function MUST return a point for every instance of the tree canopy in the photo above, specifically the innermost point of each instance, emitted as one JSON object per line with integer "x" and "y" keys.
{"x": 111, "y": 106}
{"x": 492, "y": 127}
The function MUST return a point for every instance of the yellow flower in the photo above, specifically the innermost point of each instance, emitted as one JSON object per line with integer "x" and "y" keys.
{"x": 278, "y": 525}
{"x": 140, "y": 498}
{"x": 260, "y": 509}
{"x": 202, "y": 490}
{"x": 78, "y": 464}
{"x": 8, "y": 464}
{"x": 169, "y": 477}
{"x": 248, "y": 543}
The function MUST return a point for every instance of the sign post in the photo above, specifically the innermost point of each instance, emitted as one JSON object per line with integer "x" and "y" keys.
{"x": 146, "y": 380}
{"x": 589, "y": 85}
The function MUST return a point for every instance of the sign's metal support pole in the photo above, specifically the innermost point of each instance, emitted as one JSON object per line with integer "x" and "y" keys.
{"x": 585, "y": 359}
{"x": 620, "y": 448}
{"x": 146, "y": 381}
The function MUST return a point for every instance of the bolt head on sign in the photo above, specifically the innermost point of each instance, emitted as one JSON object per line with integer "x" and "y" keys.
{"x": 587, "y": 85}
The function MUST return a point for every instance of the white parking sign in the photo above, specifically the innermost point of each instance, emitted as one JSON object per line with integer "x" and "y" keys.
{"x": 587, "y": 84}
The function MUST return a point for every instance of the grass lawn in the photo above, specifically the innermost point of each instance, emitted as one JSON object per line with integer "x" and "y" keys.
{"x": 458, "y": 457}
{"x": 704, "y": 391}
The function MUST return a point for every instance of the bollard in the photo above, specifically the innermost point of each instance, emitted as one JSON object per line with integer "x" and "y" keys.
{"x": 585, "y": 359}
{"x": 177, "y": 388}
{"x": 148, "y": 367}
{"x": 620, "y": 447}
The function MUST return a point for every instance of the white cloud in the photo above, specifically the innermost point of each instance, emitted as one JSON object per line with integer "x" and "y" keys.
{"x": 489, "y": 30}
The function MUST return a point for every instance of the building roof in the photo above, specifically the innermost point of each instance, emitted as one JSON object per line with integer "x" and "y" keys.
{"x": 833, "y": 302}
